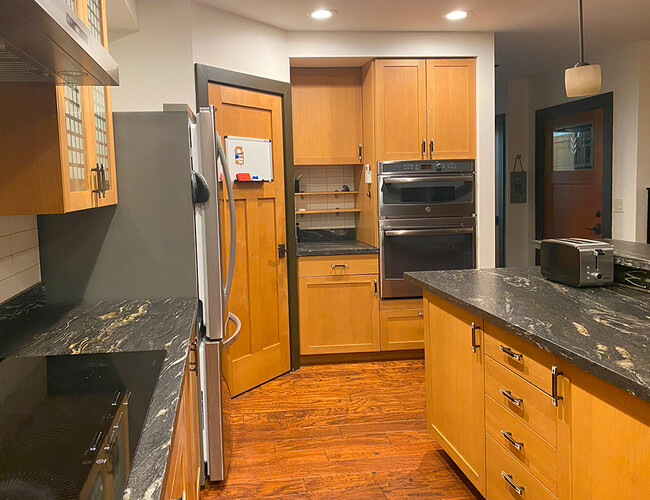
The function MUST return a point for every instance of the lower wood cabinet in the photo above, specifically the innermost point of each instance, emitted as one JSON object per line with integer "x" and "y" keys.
{"x": 339, "y": 310}
{"x": 521, "y": 423}
{"x": 182, "y": 479}
{"x": 454, "y": 382}
{"x": 401, "y": 324}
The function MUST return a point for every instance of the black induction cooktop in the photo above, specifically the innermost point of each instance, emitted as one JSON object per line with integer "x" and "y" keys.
{"x": 69, "y": 425}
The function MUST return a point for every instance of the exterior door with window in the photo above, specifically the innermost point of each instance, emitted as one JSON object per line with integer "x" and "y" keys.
{"x": 573, "y": 176}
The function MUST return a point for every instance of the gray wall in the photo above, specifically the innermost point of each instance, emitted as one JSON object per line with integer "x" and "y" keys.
{"x": 143, "y": 247}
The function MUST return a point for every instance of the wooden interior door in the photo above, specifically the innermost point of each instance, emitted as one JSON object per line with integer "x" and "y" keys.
{"x": 573, "y": 176}
{"x": 451, "y": 108}
{"x": 259, "y": 294}
{"x": 401, "y": 109}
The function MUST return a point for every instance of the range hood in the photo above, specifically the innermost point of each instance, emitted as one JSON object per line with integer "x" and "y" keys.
{"x": 43, "y": 41}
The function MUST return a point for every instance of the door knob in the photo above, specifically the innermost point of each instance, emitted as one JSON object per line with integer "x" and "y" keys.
{"x": 597, "y": 229}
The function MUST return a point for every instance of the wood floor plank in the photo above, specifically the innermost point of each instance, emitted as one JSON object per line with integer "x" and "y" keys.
{"x": 354, "y": 430}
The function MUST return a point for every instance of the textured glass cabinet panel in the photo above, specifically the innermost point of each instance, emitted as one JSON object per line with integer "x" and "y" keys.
{"x": 75, "y": 137}
{"x": 573, "y": 148}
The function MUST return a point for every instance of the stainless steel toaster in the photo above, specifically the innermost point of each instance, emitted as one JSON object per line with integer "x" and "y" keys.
{"x": 577, "y": 262}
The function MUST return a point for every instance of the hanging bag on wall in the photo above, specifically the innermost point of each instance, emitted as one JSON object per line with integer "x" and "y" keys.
{"x": 518, "y": 183}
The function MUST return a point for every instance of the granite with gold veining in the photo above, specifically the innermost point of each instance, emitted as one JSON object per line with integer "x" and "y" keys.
{"x": 113, "y": 327}
{"x": 603, "y": 330}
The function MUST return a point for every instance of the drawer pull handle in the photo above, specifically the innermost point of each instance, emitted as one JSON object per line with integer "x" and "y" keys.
{"x": 509, "y": 352}
{"x": 508, "y": 395}
{"x": 515, "y": 486}
{"x": 555, "y": 373}
{"x": 334, "y": 266}
{"x": 511, "y": 440}
{"x": 474, "y": 344}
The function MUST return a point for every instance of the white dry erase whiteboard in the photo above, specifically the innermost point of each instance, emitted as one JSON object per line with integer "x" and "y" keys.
{"x": 249, "y": 156}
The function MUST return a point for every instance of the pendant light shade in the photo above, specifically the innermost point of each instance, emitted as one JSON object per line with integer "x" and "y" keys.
{"x": 583, "y": 79}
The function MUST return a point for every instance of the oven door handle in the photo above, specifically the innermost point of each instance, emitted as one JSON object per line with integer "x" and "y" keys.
{"x": 428, "y": 232}
{"x": 437, "y": 178}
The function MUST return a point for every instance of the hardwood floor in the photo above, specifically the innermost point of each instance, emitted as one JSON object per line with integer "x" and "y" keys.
{"x": 354, "y": 430}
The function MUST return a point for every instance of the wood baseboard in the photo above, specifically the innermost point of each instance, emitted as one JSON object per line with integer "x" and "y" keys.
{"x": 355, "y": 357}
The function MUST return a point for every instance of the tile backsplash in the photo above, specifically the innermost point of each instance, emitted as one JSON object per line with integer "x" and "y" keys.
{"x": 321, "y": 179}
{"x": 20, "y": 266}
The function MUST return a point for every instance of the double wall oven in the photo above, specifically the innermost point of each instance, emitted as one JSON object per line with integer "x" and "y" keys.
{"x": 426, "y": 220}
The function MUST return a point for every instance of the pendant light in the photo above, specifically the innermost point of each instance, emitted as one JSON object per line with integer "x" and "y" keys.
{"x": 584, "y": 78}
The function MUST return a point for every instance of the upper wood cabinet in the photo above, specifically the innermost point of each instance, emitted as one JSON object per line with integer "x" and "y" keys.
{"x": 56, "y": 142}
{"x": 326, "y": 116}
{"x": 401, "y": 109}
{"x": 455, "y": 385}
{"x": 425, "y": 109}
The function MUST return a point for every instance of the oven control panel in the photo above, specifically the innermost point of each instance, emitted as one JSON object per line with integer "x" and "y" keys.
{"x": 426, "y": 167}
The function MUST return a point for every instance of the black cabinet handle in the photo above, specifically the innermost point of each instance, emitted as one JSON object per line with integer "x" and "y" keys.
{"x": 282, "y": 251}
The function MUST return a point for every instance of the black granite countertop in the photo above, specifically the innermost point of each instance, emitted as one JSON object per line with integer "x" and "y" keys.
{"x": 603, "y": 330}
{"x": 113, "y": 327}
{"x": 631, "y": 254}
{"x": 342, "y": 247}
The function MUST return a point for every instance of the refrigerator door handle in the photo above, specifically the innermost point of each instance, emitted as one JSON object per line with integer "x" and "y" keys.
{"x": 233, "y": 338}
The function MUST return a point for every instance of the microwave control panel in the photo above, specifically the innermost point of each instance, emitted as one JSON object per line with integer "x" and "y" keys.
{"x": 426, "y": 167}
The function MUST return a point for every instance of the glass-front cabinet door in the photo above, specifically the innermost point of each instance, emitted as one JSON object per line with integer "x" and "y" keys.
{"x": 102, "y": 123}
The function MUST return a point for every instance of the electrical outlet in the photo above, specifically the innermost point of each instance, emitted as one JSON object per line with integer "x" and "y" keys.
{"x": 619, "y": 205}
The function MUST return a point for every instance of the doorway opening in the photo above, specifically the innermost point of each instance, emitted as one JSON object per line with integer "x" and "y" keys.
{"x": 500, "y": 164}
{"x": 573, "y": 169}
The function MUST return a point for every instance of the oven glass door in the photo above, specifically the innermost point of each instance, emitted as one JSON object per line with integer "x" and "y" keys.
{"x": 427, "y": 190}
{"x": 406, "y": 250}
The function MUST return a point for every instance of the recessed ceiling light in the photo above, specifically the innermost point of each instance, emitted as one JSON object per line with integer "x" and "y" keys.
{"x": 457, "y": 15}
{"x": 322, "y": 13}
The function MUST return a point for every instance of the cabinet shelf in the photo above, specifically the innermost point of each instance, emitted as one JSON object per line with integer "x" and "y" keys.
{"x": 314, "y": 193}
{"x": 329, "y": 211}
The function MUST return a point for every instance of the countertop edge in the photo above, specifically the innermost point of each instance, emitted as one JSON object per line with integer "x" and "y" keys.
{"x": 556, "y": 349}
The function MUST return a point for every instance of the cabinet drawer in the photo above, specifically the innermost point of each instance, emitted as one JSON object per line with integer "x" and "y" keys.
{"x": 520, "y": 356}
{"x": 499, "y": 464}
{"x": 338, "y": 265}
{"x": 539, "y": 457}
{"x": 535, "y": 408}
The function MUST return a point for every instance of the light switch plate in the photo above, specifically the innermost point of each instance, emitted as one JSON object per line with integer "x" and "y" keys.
{"x": 368, "y": 174}
{"x": 619, "y": 205}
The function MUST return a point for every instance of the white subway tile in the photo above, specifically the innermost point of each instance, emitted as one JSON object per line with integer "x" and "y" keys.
{"x": 8, "y": 288}
{"x": 25, "y": 260}
{"x": 6, "y": 268}
{"x": 28, "y": 277}
{"x": 24, "y": 240}
{"x": 19, "y": 223}
{"x": 5, "y": 246}
{"x": 5, "y": 225}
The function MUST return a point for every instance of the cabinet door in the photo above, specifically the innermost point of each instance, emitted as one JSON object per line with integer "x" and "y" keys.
{"x": 100, "y": 122}
{"x": 74, "y": 145}
{"x": 454, "y": 382}
{"x": 326, "y": 116}
{"x": 339, "y": 314}
{"x": 609, "y": 439}
{"x": 400, "y": 109}
{"x": 451, "y": 108}
{"x": 401, "y": 323}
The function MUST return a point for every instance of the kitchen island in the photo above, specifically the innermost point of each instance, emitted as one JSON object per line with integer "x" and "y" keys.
{"x": 121, "y": 326}
{"x": 536, "y": 387}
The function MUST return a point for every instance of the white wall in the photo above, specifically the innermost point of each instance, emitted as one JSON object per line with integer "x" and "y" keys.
{"x": 156, "y": 61}
{"x": 228, "y": 41}
{"x": 643, "y": 151}
{"x": 19, "y": 257}
{"x": 621, "y": 69}
{"x": 418, "y": 44}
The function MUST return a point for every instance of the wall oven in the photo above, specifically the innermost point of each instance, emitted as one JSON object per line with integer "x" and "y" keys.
{"x": 426, "y": 221}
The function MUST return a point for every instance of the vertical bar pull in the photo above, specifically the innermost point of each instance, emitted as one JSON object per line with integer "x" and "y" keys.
{"x": 98, "y": 180}
{"x": 555, "y": 373}
{"x": 376, "y": 291}
{"x": 431, "y": 147}
{"x": 424, "y": 147}
{"x": 360, "y": 152}
{"x": 474, "y": 344}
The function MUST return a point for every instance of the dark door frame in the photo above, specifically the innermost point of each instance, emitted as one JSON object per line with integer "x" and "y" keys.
{"x": 500, "y": 139}
{"x": 604, "y": 101}
{"x": 204, "y": 75}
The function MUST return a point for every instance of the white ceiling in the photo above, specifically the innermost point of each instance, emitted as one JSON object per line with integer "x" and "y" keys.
{"x": 531, "y": 35}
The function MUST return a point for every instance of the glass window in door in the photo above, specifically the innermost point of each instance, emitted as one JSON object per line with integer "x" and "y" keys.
{"x": 101, "y": 133}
